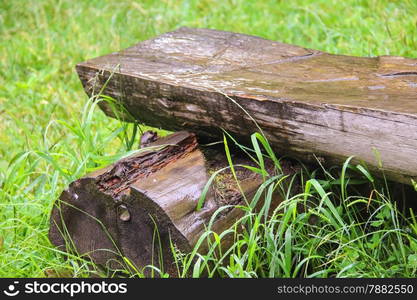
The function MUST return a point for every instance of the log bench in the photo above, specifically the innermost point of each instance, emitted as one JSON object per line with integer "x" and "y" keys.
{"x": 306, "y": 101}
{"x": 308, "y": 104}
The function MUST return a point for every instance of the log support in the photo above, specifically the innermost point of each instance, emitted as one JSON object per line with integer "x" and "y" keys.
{"x": 141, "y": 205}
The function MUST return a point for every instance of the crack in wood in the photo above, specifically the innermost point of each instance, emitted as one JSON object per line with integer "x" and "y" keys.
{"x": 400, "y": 74}
{"x": 129, "y": 170}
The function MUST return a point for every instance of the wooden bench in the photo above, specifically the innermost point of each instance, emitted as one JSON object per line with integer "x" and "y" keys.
{"x": 308, "y": 104}
{"x": 305, "y": 101}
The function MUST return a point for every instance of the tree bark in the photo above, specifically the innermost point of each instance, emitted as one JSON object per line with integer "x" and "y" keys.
{"x": 306, "y": 101}
{"x": 138, "y": 206}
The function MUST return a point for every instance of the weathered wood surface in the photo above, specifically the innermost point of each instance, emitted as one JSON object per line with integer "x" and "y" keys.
{"x": 306, "y": 101}
{"x": 146, "y": 200}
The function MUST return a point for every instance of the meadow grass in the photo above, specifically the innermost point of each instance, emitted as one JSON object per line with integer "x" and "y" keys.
{"x": 50, "y": 135}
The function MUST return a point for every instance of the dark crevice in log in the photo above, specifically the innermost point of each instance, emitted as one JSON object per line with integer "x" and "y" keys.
{"x": 400, "y": 74}
{"x": 131, "y": 169}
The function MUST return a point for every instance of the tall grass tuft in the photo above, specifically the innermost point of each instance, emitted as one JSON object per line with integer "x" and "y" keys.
{"x": 342, "y": 223}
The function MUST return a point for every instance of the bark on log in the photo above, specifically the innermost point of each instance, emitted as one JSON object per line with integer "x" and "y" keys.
{"x": 306, "y": 101}
{"x": 116, "y": 211}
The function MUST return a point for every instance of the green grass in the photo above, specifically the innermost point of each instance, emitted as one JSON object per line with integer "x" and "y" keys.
{"x": 50, "y": 134}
